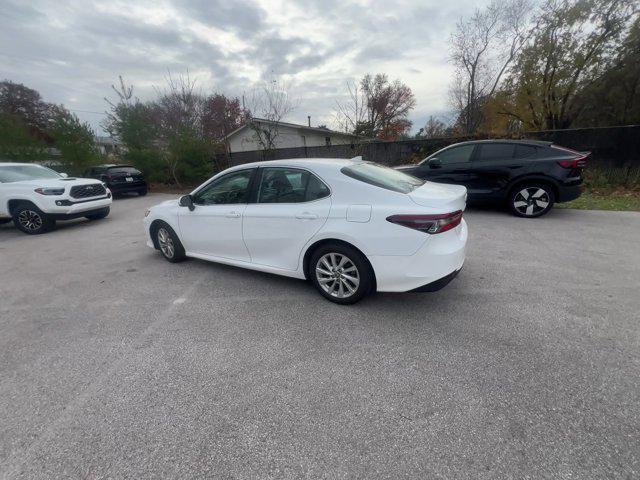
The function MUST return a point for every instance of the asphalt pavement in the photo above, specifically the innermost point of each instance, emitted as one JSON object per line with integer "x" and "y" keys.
{"x": 117, "y": 364}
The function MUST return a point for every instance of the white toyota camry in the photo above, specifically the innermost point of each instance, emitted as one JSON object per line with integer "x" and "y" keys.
{"x": 350, "y": 227}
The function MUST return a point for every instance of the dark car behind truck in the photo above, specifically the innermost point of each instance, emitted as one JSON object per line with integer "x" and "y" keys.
{"x": 119, "y": 178}
{"x": 527, "y": 176}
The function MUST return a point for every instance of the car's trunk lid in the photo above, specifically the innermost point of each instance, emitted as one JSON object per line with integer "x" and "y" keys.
{"x": 445, "y": 197}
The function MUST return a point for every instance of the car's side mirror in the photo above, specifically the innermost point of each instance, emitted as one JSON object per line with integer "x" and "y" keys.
{"x": 435, "y": 163}
{"x": 187, "y": 201}
{"x": 64, "y": 175}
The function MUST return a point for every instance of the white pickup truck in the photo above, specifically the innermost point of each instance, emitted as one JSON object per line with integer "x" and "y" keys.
{"x": 34, "y": 197}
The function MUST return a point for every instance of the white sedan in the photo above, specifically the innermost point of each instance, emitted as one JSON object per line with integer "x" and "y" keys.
{"x": 350, "y": 227}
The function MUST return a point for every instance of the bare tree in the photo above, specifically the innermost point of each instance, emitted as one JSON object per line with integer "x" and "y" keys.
{"x": 483, "y": 47}
{"x": 272, "y": 102}
{"x": 376, "y": 107}
{"x": 434, "y": 128}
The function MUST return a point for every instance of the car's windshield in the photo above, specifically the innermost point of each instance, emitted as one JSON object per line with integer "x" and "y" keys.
{"x": 383, "y": 177}
{"x": 18, "y": 173}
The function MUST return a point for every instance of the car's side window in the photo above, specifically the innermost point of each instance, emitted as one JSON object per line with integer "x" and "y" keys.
{"x": 461, "y": 154}
{"x": 290, "y": 185}
{"x": 525, "y": 151}
{"x": 228, "y": 189}
{"x": 496, "y": 151}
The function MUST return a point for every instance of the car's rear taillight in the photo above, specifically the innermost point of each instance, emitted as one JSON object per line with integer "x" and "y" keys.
{"x": 429, "y": 223}
{"x": 579, "y": 162}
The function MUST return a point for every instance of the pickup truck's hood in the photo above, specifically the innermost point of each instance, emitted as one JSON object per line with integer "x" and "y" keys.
{"x": 449, "y": 198}
{"x": 58, "y": 182}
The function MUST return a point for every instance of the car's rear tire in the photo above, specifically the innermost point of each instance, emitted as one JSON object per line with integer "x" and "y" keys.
{"x": 30, "y": 219}
{"x": 168, "y": 243}
{"x": 99, "y": 215}
{"x": 340, "y": 273}
{"x": 531, "y": 200}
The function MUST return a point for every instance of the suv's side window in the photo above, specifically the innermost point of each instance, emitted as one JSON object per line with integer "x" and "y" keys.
{"x": 290, "y": 185}
{"x": 461, "y": 154}
{"x": 228, "y": 189}
{"x": 525, "y": 151}
{"x": 496, "y": 151}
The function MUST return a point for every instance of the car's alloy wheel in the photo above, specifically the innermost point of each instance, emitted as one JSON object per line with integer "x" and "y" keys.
{"x": 532, "y": 201}
{"x": 30, "y": 220}
{"x": 166, "y": 243}
{"x": 337, "y": 275}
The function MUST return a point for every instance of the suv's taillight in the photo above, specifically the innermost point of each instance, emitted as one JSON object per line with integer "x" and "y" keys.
{"x": 429, "y": 223}
{"x": 579, "y": 162}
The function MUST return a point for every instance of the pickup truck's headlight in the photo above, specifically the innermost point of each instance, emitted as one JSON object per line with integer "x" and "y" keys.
{"x": 49, "y": 191}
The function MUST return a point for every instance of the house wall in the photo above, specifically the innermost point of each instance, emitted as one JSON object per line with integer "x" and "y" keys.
{"x": 288, "y": 137}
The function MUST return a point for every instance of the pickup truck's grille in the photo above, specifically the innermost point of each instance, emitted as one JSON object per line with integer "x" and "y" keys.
{"x": 86, "y": 191}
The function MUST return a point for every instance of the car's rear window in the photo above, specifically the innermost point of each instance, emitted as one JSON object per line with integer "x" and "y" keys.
{"x": 383, "y": 177}
{"x": 125, "y": 170}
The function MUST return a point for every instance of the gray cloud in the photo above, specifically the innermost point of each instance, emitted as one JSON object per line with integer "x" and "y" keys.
{"x": 72, "y": 50}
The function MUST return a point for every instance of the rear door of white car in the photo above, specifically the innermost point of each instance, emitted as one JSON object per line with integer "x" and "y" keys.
{"x": 291, "y": 205}
{"x": 214, "y": 227}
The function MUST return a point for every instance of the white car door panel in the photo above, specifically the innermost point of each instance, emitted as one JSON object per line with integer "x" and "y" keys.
{"x": 293, "y": 205}
{"x": 214, "y": 230}
{"x": 214, "y": 226}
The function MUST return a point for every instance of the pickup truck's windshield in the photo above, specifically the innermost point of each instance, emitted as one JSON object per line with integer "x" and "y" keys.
{"x": 19, "y": 173}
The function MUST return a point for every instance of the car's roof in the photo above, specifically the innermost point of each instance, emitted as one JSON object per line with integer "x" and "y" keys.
{"x": 304, "y": 162}
{"x": 538, "y": 143}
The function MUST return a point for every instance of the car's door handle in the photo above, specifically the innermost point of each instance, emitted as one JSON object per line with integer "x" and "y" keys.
{"x": 232, "y": 215}
{"x": 306, "y": 216}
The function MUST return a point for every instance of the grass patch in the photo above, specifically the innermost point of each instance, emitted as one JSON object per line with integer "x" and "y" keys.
{"x": 599, "y": 200}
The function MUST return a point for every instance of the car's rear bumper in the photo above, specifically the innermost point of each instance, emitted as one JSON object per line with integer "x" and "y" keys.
{"x": 566, "y": 194}
{"x": 127, "y": 187}
{"x": 438, "y": 260}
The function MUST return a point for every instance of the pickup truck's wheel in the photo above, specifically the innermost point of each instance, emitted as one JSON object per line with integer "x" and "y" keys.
{"x": 98, "y": 215}
{"x": 169, "y": 243}
{"x": 30, "y": 219}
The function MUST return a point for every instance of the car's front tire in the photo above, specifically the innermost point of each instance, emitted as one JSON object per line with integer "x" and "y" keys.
{"x": 168, "y": 243}
{"x": 531, "y": 200}
{"x": 30, "y": 219}
{"x": 340, "y": 273}
{"x": 100, "y": 214}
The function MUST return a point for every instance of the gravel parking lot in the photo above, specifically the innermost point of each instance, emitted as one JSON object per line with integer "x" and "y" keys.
{"x": 115, "y": 363}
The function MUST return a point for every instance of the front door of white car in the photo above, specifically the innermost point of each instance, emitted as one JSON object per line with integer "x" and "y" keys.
{"x": 291, "y": 206}
{"x": 214, "y": 226}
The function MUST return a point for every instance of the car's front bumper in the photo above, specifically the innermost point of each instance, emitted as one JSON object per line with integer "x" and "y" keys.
{"x": 441, "y": 256}
{"x": 73, "y": 208}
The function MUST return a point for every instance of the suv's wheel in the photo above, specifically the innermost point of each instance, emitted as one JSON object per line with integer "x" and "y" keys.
{"x": 340, "y": 273}
{"x": 30, "y": 219}
{"x": 143, "y": 191}
{"x": 169, "y": 243}
{"x": 100, "y": 214}
{"x": 5, "y": 220}
{"x": 530, "y": 200}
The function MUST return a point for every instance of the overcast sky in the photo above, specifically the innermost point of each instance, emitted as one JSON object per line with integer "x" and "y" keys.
{"x": 72, "y": 51}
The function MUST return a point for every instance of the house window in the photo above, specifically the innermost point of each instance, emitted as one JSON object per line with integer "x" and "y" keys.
{"x": 327, "y": 141}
